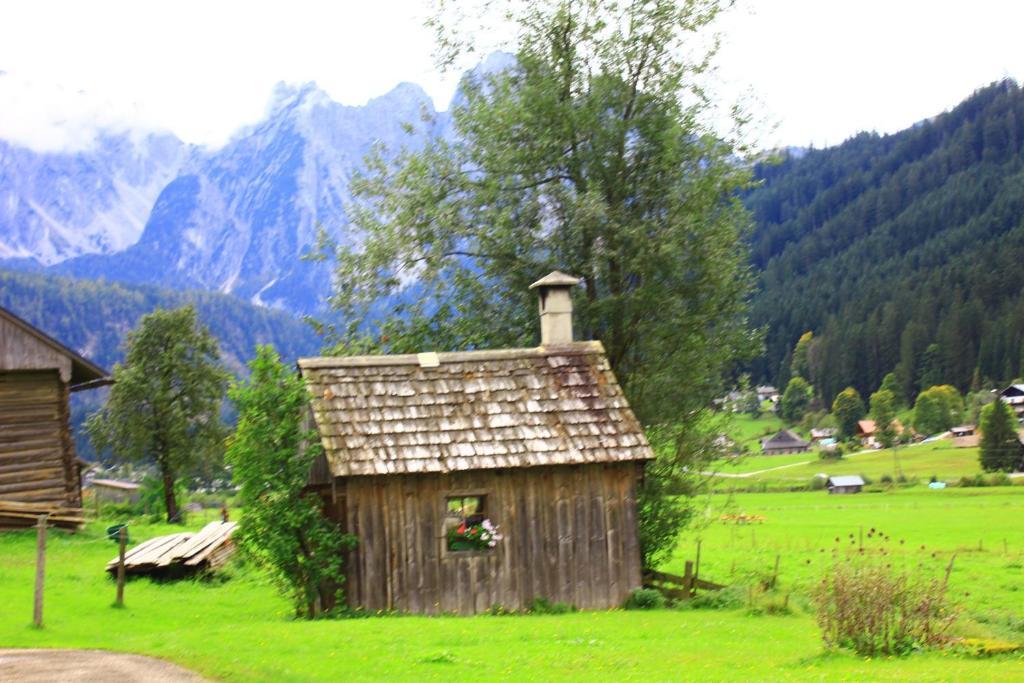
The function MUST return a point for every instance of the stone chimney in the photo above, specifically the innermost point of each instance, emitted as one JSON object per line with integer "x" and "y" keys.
{"x": 555, "y": 307}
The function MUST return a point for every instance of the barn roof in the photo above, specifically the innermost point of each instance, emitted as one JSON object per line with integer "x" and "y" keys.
{"x": 83, "y": 370}
{"x": 444, "y": 412}
{"x": 783, "y": 437}
{"x": 846, "y": 480}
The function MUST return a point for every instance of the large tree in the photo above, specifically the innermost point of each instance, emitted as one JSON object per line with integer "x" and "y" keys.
{"x": 164, "y": 407}
{"x": 589, "y": 152}
{"x": 1000, "y": 445}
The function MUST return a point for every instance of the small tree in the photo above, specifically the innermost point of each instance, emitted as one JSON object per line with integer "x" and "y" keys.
{"x": 1000, "y": 446}
{"x": 795, "y": 400}
{"x": 283, "y": 528}
{"x": 937, "y": 409}
{"x": 883, "y": 412}
{"x": 165, "y": 404}
{"x": 891, "y": 383}
{"x": 848, "y": 408}
{"x": 801, "y": 363}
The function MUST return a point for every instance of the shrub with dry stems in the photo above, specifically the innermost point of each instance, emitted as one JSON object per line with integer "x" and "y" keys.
{"x": 867, "y": 604}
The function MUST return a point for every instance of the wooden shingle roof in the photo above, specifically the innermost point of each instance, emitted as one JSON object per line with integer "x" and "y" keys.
{"x": 447, "y": 412}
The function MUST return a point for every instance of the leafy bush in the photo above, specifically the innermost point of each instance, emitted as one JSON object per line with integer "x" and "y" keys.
{"x": 645, "y": 598}
{"x": 730, "y": 597}
{"x": 770, "y": 607}
{"x": 999, "y": 479}
{"x": 818, "y": 483}
{"x": 119, "y": 511}
{"x": 980, "y": 480}
{"x": 886, "y": 479}
{"x": 545, "y": 606}
{"x": 870, "y": 607}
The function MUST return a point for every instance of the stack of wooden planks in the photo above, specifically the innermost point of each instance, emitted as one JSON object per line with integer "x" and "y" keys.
{"x": 16, "y": 514}
{"x": 182, "y": 553}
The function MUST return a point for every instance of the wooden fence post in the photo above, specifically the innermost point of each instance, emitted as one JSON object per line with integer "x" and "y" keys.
{"x": 696, "y": 568}
{"x": 122, "y": 539}
{"x": 688, "y": 578}
{"x": 37, "y": 607}
{"x": 775, "y": 572}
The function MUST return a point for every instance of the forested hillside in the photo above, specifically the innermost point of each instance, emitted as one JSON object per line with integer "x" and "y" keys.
{"x": 901, "y": 252}
{"x": 93, "y": 318}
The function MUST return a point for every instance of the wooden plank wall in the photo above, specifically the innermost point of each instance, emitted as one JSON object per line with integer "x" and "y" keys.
{"x": 20, "y": 350}
{"x": 36, "y": 453}
{"x": 570, "y": 535}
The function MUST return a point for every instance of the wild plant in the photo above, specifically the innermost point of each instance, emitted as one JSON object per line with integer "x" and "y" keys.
{"x": 868, "y": 604}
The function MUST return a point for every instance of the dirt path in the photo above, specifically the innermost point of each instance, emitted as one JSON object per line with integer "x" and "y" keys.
{"x": 88, "y": 666}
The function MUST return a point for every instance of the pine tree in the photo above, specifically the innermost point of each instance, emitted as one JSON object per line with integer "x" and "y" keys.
{"x": 1000, "y": 445}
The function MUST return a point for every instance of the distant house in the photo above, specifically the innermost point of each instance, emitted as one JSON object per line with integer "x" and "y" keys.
{"x": 1013, "y": 395}
{"x": 846, "y": 484}
{"x": 783, "y": 442}
{"x": 962, "y": 431}
{"x": 865, "y": 429}
{"x": 822, "y": 434}
{"x": 867, "y": 432}
{"x": 767, "y": 393}
{"x": 114, "y": 491}
{"x": 733, "y": 402}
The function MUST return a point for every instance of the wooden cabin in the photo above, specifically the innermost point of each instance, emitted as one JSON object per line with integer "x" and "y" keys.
{"x": 845, "y": 484}
{"x": 535, "y": 451}
{"x": 114, "y": 491}
{"x": 784, "y": 441}
{"x": 37, "y": 454}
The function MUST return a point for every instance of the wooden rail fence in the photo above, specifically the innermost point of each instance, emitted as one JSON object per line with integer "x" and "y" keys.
{"x": 679, "y": 587}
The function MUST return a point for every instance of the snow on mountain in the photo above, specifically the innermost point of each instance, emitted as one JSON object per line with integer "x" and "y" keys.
{"x": 58, "y": 205}
{"x": 238, "y": 219}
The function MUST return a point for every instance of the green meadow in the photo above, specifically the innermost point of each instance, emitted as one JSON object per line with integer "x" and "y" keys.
{"x": 235, "y": 627}
{"x": 940, "y": 459}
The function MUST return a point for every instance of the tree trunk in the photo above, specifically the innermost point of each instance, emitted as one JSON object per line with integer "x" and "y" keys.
{"x": 170, "y": 501}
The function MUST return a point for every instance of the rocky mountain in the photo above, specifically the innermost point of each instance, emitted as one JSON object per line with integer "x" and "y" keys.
{"x": 55, "y": 206}
{"x": 234, "y": 220}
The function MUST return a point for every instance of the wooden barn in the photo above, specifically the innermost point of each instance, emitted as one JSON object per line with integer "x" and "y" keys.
{"x": 38, "y": 467}
{"x": 784, "y": 441}
{"x": 483, "y": 478}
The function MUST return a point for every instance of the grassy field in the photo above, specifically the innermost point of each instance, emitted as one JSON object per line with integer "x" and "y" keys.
{"x": 239, "y": 629}
{"x": 748, "y": 431}
{"x": 922, "y": 461}
{"x": 808, "y": 530}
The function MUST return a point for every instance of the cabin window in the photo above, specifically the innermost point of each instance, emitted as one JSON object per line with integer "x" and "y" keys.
{"x": 467, "y": 527}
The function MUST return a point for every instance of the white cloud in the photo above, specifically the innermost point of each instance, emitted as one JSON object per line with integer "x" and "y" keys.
{"x": 821, "y": 70}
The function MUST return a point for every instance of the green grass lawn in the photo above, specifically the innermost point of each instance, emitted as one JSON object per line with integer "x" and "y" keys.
{"x": 939, "y": 458}
{"x": 240, "y": 629}
{"x": 748, "y": 431}
{"x": 810, "y": 530}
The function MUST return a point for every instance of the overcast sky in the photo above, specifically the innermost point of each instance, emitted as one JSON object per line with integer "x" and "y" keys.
{"x": 813, "y": 71}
